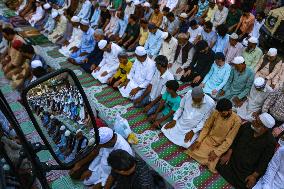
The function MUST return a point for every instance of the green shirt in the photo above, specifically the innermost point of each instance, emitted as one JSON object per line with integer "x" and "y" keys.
{"x": 233, "y": 19}
{"x": 252, "y": 57}
{"x": 170, "y": 103}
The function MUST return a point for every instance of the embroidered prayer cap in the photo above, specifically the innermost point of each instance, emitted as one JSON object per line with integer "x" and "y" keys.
{"x": 165, "y": 35}
{"x": 105, "y": 134}
{"x": 46, "y": 6}
{"x": 259, "y": 82}
{"x": 78, "y": 131}
{"x": 75, "y": 19}
{"x": 62, "y": 128}
{"x": 183, "y": 15}
{"x": 140, "y": 51}
{"x": 267, "y": 120}
{"x": 36, "y": 64}
{"x": 197, "y": 92}
{"x": 52, "y": 117}
{"x": 54, "y": 14}
{"x": 102, "y": 44}
{"x": 84, "y": 22}
{"x": 272, "y": 52}
{"x": 238, "y": 60}
{"x": 67, "y": 133}
{"x": 234, "y": 36}
{"x": 253, "y": 40}
{"x": 146, "y": 4}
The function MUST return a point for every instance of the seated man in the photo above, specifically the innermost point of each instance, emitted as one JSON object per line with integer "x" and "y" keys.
{"x": 217, "y": 77}
{"x": 183, "y": 56}
{"x": 126, "y": 167}
{"x": 220, "y": 15}
{"x": 200, "y": 64}
{"x": 61, "y": 23}
{"x": 195, "y": 108}
{"x": 255, "y": 100}
{"x": 233, "y": 48}
{"x": 269, "y": 66}
{"x": 239, "y": 83}
{"x": 96, "y": 164}
{"x": 154, "y": 40}
{"x": 140, "y": 75}
{"x": 194, "y": 31}
{"x": 216, "y": 136}
{"x": 252, "y": 53}
{"x": 157, "y": 85}
{"x": 250, "y": 153}
{"x": 109, "y": 63}
{"x": 121, "y": 74}
{"x": 87, "y": 44}
{"x": 169, "y": 47}
{"x": 49, "y": 26}
{"x": 273, "y": 177}
{"x": 75, "y": 38}
{"x": 28, "y": 52}
{"x": 163, "y": 107}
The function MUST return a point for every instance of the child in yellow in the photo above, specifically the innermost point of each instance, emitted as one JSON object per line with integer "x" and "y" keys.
{"x": 121, "y": 74}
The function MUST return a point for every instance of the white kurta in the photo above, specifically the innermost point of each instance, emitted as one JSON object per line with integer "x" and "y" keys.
{"x": 274, "y": 176}
{"x": 99, "y": 166}
{"x": 109, "y": 64}
{"x": 37, "y": 16}
{"x": 189, "y": 118}
{"x": 140, "y": 75}
{"x": 254, "y": 102}
{"x": 172, "y": 4}
{"x": 168, "y": 49}
{"x": 59, "y": 29}
{"x": 74, "y": 41}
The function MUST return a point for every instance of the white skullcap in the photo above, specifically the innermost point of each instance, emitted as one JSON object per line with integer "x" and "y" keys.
{"x": 272, "y": 52}
{"x": 165, "y": 35}
{"x": 183, "y": 15}
{"x": 238, "y": 60}
{"x": 62, "y": 128}
{"x": 36, "y": 64}
{"x": 267, "y": 120}
{"x": 102, "y": 44}
{"x": 137, "y": 2}
{"x": 234, "y": 36}
{"x": 84, "y": 22}
{"x": 245, "y": 42}
{"x": 46, "y": 6}
{"x": 75, "y": 19}
{"x": 253, "y": 40}
{"x": 106, "y": 134}
{"x": 78, "y": 131}
{"x": 91, "y": 142}
{"x": 140, "y": 51}
{"x": 54, "y": 14}
{"x": 67, "y": 133}
{"x": 128, "y": 1}
{"x": 259, "y": 82}
{"x": 52, "y": 117}
{"x": 146, "y": 4}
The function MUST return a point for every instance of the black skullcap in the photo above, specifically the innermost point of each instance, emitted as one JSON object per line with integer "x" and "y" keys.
{"x": 201, "y": 45}
{"x": 224, "y": 105}
{"x": 219, "y": 56}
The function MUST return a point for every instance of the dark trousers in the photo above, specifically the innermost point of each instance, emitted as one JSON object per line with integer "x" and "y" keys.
{"x": 190, "y": 78}
{"x": 239, "y": 32}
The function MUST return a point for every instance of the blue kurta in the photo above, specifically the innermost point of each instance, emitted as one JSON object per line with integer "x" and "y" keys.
{"x": 221, "y": 43}
{"x": 154, "y": 43}
{"x": 94, "y": 21}
{"x": 85, "y": 11}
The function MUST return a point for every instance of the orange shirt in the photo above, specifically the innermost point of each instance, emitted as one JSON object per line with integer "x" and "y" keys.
{"x": 247, "y": 23}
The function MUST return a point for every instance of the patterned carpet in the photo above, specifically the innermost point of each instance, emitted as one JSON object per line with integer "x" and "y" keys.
{"x": 166, "y": 158}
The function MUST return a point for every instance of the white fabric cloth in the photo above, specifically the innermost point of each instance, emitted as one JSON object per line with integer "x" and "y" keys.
{"x": 74, "y": 41}
{"x": 274, "y": 176}
{"x": 254, "y": 102}
{"x": 140, "y": 75}
{"x": 129, "y": 10}
{"x": 168, "y": 49}
{"x": 109, "y": 63}
{"x": 219, "y": 17}
{"x": 194, "y": 33}
{"x": 172, "y": 4}
{"x": 99, "y": 166}
{"x": 189, "y": 118}
{"x": 37, "y": 16}
{"x": 256, "y": 27}
{"x": 159, "y": 83}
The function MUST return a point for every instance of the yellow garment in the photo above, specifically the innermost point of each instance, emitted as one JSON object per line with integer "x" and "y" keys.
{"x": 210, "y": 13}
{"x": 156, "y": 19}
{"x": 132, "y": 138}
{"x": 122, "y": 71}
{"x": 144, "y": 36}
{"x": 217, "y": 135}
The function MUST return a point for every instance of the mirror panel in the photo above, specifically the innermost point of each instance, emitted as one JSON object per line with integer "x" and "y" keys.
{"x": 61, "y": 114}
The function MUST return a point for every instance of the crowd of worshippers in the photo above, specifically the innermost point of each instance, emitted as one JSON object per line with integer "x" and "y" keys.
{"x": 231, "y": 119}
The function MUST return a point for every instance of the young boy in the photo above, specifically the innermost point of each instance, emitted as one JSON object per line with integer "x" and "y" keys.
{"x": 121, "y": 74}
{"x": 160, "y": 112}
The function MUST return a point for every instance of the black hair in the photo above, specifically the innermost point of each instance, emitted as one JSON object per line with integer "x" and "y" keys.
{"x": 208, "y": 24}
{"x": 173, "y": 85}
{"x": 233, "y": 6}
{"x": 224, "y": 104}
{"x": 156, "y": 6}
{"x": 39, "y": 72}
{"x": 261, "y": 14}
{"x": 26, "y": 48}
{"x": 143, "y": 21}
{"x": 133, "y": 17}
{"x": 166, "y": 9}
{"x": 162, "y": 61}
{"x": 222, "y": 30}
{"x": 246, "y": 9}
{"x": 121, "y": 160}
{"x": 201, "y": 45}
{"x": 170, "y": 14}
{"x": 9, "y": 31}
{"x": 220, "y": 56}
{"x": 192, "y": 23}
